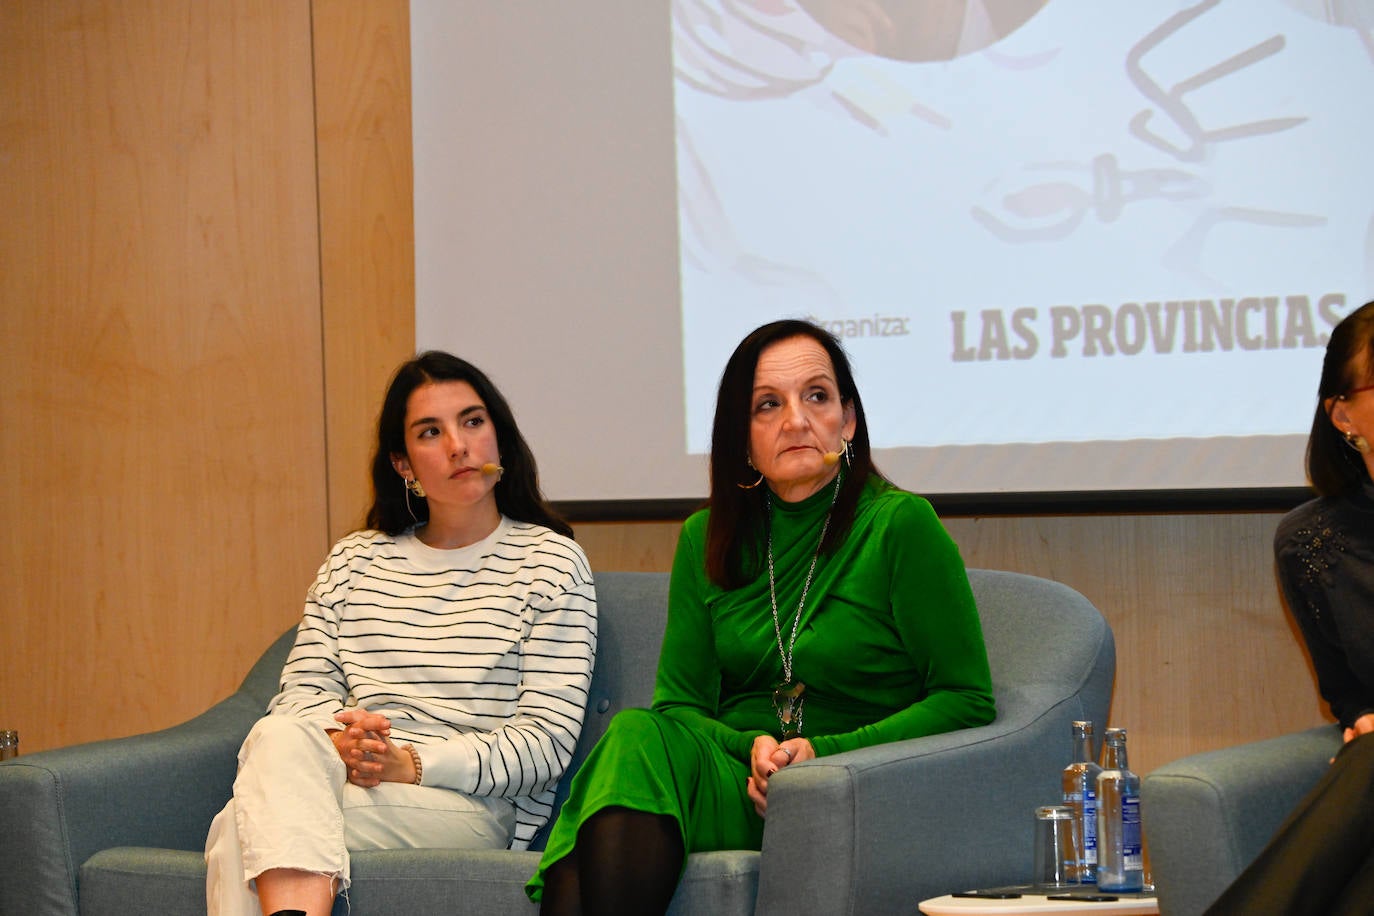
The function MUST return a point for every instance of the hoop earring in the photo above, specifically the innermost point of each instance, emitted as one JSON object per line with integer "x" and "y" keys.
{"x": 1357, "y": 442}
{"x": 750, "y": 486}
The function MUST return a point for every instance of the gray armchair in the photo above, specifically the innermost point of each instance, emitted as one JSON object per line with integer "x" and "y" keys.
{"x": 871, "y": 831}
{"x": 1207, "y": 816}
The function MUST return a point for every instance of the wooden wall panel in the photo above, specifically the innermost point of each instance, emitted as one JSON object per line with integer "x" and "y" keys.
{"x": 160, "y": 371}
{"x": 1206, "y": 656}
{"x": 367, "y": 229}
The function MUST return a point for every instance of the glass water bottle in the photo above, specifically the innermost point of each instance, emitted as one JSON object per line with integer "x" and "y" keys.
{"x": 1080, "y": 795}
{"x": 1120, "y": 864}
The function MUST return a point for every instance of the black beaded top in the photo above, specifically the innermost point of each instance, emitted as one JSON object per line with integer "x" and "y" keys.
{"x": 1325, "y": 554}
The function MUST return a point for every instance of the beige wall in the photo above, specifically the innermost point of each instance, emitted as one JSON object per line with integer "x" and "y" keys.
{"x": 198, "y": 317}
{"x": 206, "y": 275}
{"x": 367, "y": 232}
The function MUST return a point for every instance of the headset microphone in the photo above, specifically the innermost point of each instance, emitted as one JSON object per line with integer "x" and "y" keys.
{"x": 833, "y": 458}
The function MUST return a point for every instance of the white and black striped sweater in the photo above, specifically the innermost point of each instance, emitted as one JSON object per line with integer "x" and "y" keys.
{"x": 480, "y": 656}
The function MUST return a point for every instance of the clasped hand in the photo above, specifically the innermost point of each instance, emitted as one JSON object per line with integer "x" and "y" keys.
{"x": 1362, "y": 726}
{"x": 364, "y": 745}
{"x": 766, "y": 758}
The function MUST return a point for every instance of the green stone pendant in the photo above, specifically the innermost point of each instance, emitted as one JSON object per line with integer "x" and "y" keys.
{"x": 788, "y": 697}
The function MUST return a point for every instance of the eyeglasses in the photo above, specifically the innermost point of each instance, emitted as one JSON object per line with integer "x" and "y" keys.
{"x": 1354, "y": 391}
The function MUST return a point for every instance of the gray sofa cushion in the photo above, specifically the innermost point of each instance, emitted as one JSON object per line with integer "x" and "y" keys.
{"x": 1207, "y": 816}
{"x": 133, "y": 881}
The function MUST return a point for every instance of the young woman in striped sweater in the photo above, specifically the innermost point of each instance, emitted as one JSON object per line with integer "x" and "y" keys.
{"x": 439, "y": 676}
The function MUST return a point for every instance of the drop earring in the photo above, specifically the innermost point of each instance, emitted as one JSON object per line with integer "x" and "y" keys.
{"x": 1357, "y": 442}
{"x": 412, "y": 486}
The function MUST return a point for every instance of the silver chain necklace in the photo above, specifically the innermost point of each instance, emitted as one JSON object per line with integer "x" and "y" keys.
{"x": 789, "y": 695}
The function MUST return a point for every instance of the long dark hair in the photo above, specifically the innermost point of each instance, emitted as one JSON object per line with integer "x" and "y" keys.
{"x": 734, "y": 532}
{"x": 1332, "y": 465}
{"x": 517, "y": 493}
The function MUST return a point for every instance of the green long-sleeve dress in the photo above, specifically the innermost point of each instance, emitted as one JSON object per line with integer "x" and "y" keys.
{"x": 889, "y": 647}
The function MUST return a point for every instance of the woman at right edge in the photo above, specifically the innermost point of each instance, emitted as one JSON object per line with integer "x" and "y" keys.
{"x": 1321, "y": 860}
{"x": 814, "y": 608}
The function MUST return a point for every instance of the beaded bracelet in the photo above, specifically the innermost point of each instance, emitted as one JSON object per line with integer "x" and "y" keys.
{"x": 415, "y": 758}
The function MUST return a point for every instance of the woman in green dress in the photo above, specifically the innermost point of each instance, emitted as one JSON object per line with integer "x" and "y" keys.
{"x": 814, "y": 608}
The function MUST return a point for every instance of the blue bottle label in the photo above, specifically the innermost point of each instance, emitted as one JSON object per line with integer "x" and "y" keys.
{"x": 1090, "y": 828}
{"x": 1130, "y": 832}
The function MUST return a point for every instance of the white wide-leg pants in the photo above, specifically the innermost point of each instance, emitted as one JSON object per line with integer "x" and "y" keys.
{"x": 293, "y": 807}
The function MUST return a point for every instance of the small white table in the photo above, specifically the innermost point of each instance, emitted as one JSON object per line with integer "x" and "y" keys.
{"x": 1038, "y": 904}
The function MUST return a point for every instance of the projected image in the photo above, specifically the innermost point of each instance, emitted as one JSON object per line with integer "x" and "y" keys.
{"x": 1030, "y": 222}
{"x": 924, "y": 31}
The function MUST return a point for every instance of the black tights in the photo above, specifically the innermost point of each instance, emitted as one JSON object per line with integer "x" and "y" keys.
{"x": 625, "y": 862}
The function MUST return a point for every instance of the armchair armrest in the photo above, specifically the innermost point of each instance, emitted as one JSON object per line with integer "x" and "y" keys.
{"x": 879, "y": 829}
{"x": 1208, "y": 815}
{"x": 160, "y": 789}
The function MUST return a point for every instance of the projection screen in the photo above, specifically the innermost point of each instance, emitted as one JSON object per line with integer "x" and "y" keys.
{"x": 1070, "y": 246}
